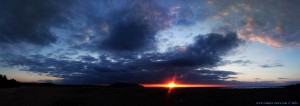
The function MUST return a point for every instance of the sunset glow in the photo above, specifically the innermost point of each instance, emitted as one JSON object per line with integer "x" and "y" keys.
{"x": 173, "y": 85}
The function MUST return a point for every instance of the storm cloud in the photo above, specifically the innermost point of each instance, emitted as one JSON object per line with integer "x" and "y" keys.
{"x": 93, "y": 73}
{"x": 29, "y": 21}
{"x": 129, "y": 36}
{"x": 188, "y": 65}
{"x": 205, "y": 52}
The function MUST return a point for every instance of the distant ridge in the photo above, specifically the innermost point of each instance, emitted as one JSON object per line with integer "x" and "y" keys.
{"x": 293, "y": 86}
{"x": 126, "y": 85}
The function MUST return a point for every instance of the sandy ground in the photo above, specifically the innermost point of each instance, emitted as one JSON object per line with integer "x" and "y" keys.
{"x": 104, "y": 96}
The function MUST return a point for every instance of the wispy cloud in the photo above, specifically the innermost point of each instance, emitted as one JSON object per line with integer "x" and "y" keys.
{"x": 239, "y": 62}
{"x": 272, "y": 65}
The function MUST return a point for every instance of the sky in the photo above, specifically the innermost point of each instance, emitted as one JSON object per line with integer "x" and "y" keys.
{"x": 244, "y": 42}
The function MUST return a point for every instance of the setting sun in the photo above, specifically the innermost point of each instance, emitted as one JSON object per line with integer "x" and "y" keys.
{"x": 171, "y": 85}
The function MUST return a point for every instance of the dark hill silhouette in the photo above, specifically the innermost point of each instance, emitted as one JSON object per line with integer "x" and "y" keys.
{"x": 5, "y": 83}
{"x": 293, "y": 86}
{"x": 37, "y": 84}
{"x": 125, "y": 85}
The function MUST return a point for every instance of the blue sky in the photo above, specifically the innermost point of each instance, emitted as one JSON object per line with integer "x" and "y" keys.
{"x": 104, "y": 41}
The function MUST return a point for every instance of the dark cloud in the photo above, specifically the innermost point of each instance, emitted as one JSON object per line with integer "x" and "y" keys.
{"x": 129, "y": 36}
{"x": 207, "y": 51}
{"x": 29, "y": 21}
{"x": 134, "y": 28}
{"x": 282, "y": 78}
{"x": 272, "y": 65}
{"x": 79, "y": 72}
{"x": 50, "y": 66}
{"x": 240, "y": 62}
{"x": 186, "y": 65}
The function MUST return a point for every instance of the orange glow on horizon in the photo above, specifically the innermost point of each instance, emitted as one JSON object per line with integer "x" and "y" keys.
{"x": 173, "y": 85}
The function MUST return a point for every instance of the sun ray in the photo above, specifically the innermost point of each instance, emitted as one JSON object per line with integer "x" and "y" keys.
{"x": 171, "y": 85}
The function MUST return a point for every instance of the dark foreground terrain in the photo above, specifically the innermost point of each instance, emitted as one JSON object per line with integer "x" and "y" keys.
{"x": 106, "y": 96}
